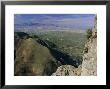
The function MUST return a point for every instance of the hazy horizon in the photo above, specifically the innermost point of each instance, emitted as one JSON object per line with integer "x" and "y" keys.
{"x": 54, "y": 21}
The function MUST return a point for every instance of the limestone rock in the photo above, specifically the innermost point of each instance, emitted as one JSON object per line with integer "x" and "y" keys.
{"x": 89, "y": 64}
{"x": 67, "y": 70}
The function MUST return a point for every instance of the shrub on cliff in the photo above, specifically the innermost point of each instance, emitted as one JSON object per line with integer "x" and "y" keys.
{"x": 89, "y": 33}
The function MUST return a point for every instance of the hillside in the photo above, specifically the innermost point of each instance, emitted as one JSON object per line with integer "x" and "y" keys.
{"x": 32, "y": 58}
{"x": 37, "y": 56}
{"x": 54, "y": 44}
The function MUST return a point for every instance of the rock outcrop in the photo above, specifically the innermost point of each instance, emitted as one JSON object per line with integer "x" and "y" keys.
{"x": 67, "y": 70}
{"x": 89, "y": 64}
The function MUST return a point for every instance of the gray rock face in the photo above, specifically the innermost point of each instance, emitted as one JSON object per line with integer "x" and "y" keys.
{"x": 89, "y": 64}
{"x": 67, "y": 70}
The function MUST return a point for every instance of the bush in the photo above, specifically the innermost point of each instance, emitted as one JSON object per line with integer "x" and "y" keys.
{"x": 34, "y": 36}
{"x": 89, "y": 33}
{"x": 85, "y": 50}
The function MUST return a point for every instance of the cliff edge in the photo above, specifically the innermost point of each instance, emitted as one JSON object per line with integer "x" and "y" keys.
{"x": 89, "y": 64}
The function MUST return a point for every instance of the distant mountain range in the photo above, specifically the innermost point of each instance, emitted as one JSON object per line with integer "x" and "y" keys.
{"x": 53, "y": 22}
{"x": 43, "y": 26}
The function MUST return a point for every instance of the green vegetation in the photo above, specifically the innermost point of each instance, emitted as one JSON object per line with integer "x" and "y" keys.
{"x": 89, "y": 33}
{"x": 41, "y": 52}
{"x": 22, "y": 35}
{"x": 68, "y": 42}
{"x": 85, "y": 49}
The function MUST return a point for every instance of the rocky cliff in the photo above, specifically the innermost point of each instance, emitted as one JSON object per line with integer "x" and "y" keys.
{"x": 89, "y": 64}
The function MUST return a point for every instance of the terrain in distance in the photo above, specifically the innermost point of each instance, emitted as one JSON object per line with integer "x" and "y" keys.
{"x": 47, "y": 48}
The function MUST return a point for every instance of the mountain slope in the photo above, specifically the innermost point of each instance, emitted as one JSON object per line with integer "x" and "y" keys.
{"x": 33, "y": 59}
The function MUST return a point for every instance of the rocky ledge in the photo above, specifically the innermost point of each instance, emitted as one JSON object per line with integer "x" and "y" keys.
{"x": 67, "y": 70}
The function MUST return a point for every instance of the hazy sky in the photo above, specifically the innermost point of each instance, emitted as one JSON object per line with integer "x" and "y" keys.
{"x": 54, "y": 21}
